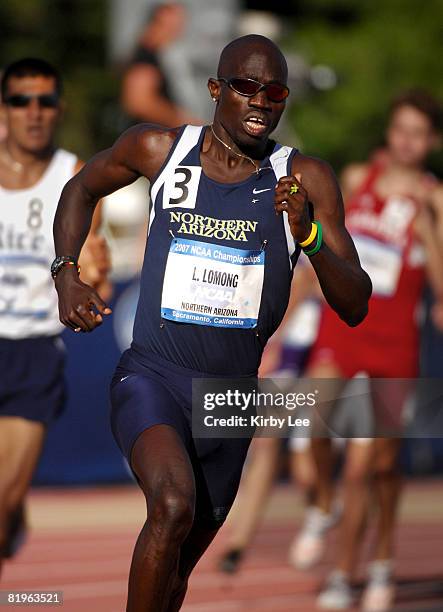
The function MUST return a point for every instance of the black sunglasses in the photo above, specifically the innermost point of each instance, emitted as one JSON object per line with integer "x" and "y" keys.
{"x": 276, "y": 92}
{"x": 23, "y": 100}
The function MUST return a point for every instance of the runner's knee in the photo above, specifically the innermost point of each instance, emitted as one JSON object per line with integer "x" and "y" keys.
{"x": 172, "y": 512}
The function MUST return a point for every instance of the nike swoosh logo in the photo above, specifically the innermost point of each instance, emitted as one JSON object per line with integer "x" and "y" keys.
{"x": 255, "y": 191}
{"x": 124, "y": 378}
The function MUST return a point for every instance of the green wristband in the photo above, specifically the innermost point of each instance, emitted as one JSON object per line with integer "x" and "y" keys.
{"x": 319, "y": 242}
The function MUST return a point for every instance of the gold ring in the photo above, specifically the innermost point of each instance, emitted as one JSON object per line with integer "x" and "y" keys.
{"x": 294, "y": 189}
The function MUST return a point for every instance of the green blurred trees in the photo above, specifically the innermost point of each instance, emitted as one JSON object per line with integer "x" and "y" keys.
{"x": 377, "y": 49}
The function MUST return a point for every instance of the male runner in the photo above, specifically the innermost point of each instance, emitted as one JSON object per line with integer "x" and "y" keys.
{"x": 32, "y": 175}
{"x": 215, "y": 193}
{"x": 394, "y": 212}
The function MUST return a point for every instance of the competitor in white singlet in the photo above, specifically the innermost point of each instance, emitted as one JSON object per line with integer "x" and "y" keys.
{"x": 32, "y": 175}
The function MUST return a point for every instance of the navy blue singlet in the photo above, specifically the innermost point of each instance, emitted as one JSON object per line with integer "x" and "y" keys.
{"x": 218, "y": 263}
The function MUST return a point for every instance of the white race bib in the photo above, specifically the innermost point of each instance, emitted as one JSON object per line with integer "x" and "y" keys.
{"x": 383, "y": 263}
{"x": 213, "y": 285}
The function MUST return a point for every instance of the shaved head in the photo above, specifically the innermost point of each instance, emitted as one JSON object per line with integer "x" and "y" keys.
{"x": 256, "y": 48}
{"x": 246, "y": 118}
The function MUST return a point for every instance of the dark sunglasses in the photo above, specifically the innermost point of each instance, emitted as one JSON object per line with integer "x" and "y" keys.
{"x": 23, "y": 100}
{"x": 276, "y": 92}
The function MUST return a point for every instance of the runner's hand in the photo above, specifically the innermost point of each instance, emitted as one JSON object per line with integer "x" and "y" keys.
{"x": 80, "y": 306}
{"x": 295, "y": 205}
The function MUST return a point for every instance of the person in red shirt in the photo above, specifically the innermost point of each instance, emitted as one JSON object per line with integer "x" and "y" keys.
{"x": 394, "y": 213}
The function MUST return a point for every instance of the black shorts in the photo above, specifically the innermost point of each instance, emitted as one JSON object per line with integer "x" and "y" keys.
{"x": 158, "y": 392}
{"x": 32, "y": 384}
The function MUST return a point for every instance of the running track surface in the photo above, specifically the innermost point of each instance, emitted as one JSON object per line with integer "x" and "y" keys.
{"x": 81, "y": 543}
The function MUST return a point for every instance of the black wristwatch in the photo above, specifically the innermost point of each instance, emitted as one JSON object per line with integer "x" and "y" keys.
{"x": 60, "y": 262}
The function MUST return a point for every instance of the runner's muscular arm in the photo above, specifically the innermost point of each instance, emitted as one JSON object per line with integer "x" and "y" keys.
{"x": 94, "y": 259}
{"x": 141, "y": 150}
{"x": 305, "y": 282}
{"x": 345, "y": 285}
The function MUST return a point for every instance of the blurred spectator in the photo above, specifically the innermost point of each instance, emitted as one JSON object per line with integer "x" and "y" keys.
{"x": 285, "y": 358}
{"x": 146, "y": 94}
{"x": 125, "y": 223}
{"x": 394, "y": 213}
{"x": 33, "y": 172}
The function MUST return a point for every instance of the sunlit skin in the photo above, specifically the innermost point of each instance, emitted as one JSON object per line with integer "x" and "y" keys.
{"x": 233, "y": 109}
{"x": 29, "y": 144}
{"x": 410, "y": 137}
{"x": 32, "y": 127}
{"x": 27, "y": 151}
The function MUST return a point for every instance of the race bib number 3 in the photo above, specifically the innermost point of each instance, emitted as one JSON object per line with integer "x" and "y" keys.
{"x": 213, "y": 285}
{"x": 180, "y": 190}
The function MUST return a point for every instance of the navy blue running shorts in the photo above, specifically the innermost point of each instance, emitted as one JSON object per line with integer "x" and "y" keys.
{"x": 147, "y": 392}
{"x": 32, "y": 384}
